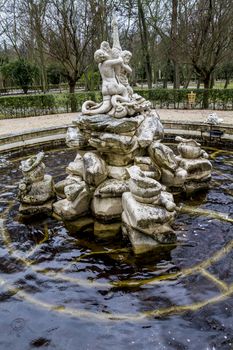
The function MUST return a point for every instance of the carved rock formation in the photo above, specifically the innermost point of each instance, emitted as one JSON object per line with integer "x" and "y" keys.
{"x": 148, "y": 212}
{"x": 36, "y": 190}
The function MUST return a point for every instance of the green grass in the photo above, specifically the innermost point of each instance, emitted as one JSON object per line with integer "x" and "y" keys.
{"x": 220, "y": 85}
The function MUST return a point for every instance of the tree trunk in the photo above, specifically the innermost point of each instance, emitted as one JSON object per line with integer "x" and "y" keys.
{"x": 207, "y": 81}
{"x": 165, "y": 83}
{"x": 173, "y": 48}
{"x": 87, "y": 85}
{"x": 227, "y": 82}
{"x": 145, "y": 43}
{"x": 166, "y": 73}
{"x": 212, "y": 81}
{"x": 43, "y": 72}
{"x": 73, "y": 102}
{"x": 155, "y": 78}
{"x": 187, "y": 81}
{"x": 176, "y": 83}
{"x": 72, "y": 85}
{"x": 36, "y": 22}
{"x": 41, "y": 55}
{"x": 25, "y": 89}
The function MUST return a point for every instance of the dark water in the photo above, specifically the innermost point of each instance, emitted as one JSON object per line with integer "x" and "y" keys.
{"x": 58, "y": 291}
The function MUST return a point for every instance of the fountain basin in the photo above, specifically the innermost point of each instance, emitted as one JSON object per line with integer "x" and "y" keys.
{"x": 53, "y": 275}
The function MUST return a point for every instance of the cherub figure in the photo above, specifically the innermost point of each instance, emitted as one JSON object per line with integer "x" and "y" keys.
{"x": 125, "y": 71}
{"x": 107, "y": 66}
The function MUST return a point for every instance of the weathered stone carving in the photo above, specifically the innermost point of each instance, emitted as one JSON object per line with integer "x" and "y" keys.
{"x": 95, "y": 171}
{"x": 105, "y": 123}
{"x": 115, "y": 139}
{"x": 118, "y": 97}
{"x": 172, "y": 175}
{"x": 148, "y": 211}
{"x": 36, "y": 190}
{"x": 188, "y": 172}
{"x": 149, "y": 168}
{"x": 75, "y": 192}
{"x": 75, "y": 139}
{"x": 190, "y": 149}
{"x": 124, "y": 177}
{"x": 195, "y": 162}
{"x": 107, "y": 201}
{"x": 213, "y": 119}
{"x": 76, "y": 203}
{"x": 150, "y": 129}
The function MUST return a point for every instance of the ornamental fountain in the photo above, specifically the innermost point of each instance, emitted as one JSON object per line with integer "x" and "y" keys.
{"x": 128, "y": 178}
{"x": 60, "y": 285}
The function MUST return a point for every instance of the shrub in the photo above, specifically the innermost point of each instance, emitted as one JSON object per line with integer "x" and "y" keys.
{"x": 40, "y": 104}
{"x": 33, "y": 105}
{"x": 21, "y": 72}
{"x": 172, "y": 98}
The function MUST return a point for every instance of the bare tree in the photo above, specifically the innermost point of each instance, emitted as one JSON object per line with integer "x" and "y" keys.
{"x": 206, "y": 33}
{"x": 36, "y": 10}
{"x": 10, "y": 25}
{"x": 70, "y": 27}
{"x": 163, "y": 20}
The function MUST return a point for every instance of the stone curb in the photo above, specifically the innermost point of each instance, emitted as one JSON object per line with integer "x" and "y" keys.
{"x": 56, "y": 135}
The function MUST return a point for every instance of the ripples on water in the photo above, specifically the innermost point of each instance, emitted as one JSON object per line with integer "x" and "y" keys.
{"x": 59, "y": 291}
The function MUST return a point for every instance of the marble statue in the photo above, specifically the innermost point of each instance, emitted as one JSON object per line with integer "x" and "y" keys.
{"x": 121, "y": 129}
{"x": 118, "y": 97}
{"x": 125, "y": 183}
{"x": 36, "y": 189}
{"x": 195, "y": 162}
{"x": 188, "y": 172}
{"x": 172, "y": 174}
{"x": 148, "y": 212}
{"x": 213, "y": 119}
{"x": 126, "y": 70}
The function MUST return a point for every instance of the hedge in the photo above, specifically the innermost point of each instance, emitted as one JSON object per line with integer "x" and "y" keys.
{"x": 172, "y": 98}
{"x": 34, "y": 105}
{"x": 40, "y": 104}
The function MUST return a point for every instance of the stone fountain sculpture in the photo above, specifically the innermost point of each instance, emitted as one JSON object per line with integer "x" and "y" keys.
{"x": 120, "y": 129}
{"x": 148, "y": 211}
{"x": 36, "y": 189}
{"x": 195, "y": 162}
{"x": 124, "y": 181}
{"x": 118, "y": 98}
{"x": 188, "y": 172}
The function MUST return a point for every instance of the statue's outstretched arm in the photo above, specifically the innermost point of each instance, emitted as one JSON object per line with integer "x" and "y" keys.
{"x": 127, "y": 68}
{"x": 114, "y": 62}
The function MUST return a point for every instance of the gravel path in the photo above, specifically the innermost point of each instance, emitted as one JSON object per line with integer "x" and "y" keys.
{"x": 197, "y": 115}
{"x": 17, "y": 125}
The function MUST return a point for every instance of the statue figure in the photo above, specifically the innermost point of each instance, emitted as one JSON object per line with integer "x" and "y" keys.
{"x": 125, "y": 70}
{"x": 106, "y": 47}
{"x": 118, "y": 97}
{"x": 107, "y": 65}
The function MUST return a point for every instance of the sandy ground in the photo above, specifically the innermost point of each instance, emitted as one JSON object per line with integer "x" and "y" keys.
{"x": 18, "y": 125}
